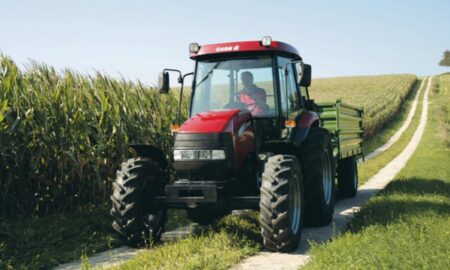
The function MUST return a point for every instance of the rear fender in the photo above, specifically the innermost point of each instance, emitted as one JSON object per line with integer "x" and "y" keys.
{"x": 304, "y": 121}
{"x": 150, "y": 151}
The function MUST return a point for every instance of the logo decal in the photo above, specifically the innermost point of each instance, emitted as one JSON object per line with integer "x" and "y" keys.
{"x": 227, "y": 48}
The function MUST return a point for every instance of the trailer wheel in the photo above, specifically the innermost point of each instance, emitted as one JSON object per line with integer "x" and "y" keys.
{"x": 347, "y": 177}
{"x": 138, "y": 217}
{"x": 319, "y": 171}
{"x": 281, "y": 203}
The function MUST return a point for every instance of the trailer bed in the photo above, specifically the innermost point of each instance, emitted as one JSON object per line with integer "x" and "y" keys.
{"x": 345, "y": 122}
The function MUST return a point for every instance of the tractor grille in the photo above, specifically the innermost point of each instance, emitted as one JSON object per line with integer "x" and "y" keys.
{"x": 204, "y": 170}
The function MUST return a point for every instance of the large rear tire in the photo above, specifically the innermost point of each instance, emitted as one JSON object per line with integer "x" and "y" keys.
{"x": 138, "y": 217}
{"x": 347, "y": 177}
{"x": 281, "y": 203}
{"x": 319, "y": 172}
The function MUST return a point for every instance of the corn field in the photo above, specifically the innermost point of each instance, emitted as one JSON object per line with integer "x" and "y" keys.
{"x": 379, "y": 96}
{"x": 63, "y": 135}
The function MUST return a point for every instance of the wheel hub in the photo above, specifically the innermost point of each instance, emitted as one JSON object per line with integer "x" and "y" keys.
{"x": 295, "y": 204}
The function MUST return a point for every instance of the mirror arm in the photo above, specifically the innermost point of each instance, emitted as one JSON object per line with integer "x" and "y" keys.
{"x": 307, "y": 92}
{"x": 181, "y": 81}
{"x": 180, "y": 77}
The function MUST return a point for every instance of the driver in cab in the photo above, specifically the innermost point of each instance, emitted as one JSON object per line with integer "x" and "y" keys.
{"x": 254, "y": 97}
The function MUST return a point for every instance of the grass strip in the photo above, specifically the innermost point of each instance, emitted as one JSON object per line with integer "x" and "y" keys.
{"x": 218, "y": 247}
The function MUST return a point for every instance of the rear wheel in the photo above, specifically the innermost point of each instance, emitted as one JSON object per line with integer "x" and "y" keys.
{"x": 138, "y": 217}
{"x": 319, "y": 172}
{"x": 347, "y": 177}
{"x": 281, "y": 203}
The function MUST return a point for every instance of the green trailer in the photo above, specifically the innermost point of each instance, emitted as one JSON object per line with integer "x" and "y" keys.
{"x": 345, "y": 123}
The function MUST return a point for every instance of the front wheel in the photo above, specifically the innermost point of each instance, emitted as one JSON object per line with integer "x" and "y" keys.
{"x": 281, "y": 203}
{"x": 138, "y": 216}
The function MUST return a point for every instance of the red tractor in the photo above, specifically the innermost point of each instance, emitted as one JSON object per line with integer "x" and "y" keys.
{"x": 253, "y": 140}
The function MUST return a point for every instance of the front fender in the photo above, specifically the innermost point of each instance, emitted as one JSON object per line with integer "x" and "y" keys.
{"x": 147, "y": 150}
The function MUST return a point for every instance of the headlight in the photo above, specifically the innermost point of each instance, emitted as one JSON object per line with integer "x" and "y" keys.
{"x": 218, "y": 154}
{"x": 183, "y": 154}
{"x": 199, "y": 154}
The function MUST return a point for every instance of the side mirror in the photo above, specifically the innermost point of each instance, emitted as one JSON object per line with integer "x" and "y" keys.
{"x": 163, "y": 82}
{"x": 306, "y": 78}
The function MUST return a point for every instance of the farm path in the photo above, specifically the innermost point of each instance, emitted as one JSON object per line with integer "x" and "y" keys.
{"x": 344, "y": 210}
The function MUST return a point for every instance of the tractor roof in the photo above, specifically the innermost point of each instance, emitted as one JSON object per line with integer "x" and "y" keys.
{"x": 203, "y": 51}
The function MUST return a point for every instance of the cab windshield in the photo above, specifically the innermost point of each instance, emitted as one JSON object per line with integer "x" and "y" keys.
{"x": 245, "y": 84}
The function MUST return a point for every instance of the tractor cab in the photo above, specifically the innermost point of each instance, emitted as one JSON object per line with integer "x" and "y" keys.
{"x": 258, "y": 78}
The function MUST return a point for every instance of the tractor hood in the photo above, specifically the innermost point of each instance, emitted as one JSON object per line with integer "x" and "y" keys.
{"x": 210, "y": 122}
{"x": 230, "y": 130}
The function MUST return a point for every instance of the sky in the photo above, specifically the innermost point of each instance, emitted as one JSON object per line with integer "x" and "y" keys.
{"x": 137, "y": 39}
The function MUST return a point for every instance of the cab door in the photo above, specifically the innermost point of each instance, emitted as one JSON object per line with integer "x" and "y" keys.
{"x": 289, "y": 96}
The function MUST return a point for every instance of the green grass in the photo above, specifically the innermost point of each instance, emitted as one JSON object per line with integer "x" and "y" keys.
{"x": 210, "y": 251}
{"x": 41, "y": 243}
{"x": 218, "y": 247}
{"x": 407, "y": 225}
{"x": 45, "y": 242}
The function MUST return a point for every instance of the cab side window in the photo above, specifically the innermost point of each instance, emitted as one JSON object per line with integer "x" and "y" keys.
{"x": 290, "y": 102}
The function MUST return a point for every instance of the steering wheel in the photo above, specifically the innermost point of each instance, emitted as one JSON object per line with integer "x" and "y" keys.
{"x": 236, "y": 105}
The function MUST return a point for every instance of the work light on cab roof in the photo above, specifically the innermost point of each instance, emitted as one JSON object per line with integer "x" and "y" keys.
{"x": 194, "y": 47}
{"x": 266, "y": 41}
